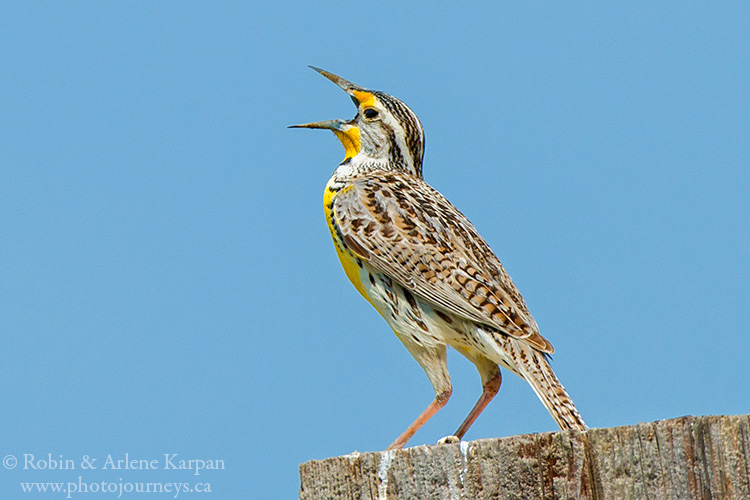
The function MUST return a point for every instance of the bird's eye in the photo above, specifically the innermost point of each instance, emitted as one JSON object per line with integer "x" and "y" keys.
{"x": 370, "y": 113}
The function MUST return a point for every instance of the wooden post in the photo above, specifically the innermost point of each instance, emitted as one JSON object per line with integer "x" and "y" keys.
{"x": 680, "y": 459}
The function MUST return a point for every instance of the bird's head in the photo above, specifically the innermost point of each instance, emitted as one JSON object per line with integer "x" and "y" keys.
{"x": 384, "y": 134}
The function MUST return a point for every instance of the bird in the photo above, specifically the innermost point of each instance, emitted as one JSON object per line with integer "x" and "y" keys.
{"x": 423, "y": 265}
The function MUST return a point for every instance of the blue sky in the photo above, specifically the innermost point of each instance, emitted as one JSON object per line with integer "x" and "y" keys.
{"x": 169, "y": 286}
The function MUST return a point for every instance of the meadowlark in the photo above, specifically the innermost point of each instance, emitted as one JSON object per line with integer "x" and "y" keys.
{"x": 423, "y": 265}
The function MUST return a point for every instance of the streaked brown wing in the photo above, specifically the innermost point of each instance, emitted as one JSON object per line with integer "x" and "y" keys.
{"x": 409, "y": 231}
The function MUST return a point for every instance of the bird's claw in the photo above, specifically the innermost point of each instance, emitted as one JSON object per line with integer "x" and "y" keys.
{"x": 449, "y": 440}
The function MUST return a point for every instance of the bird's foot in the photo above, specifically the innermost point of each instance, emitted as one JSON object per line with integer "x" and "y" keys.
{"x": 449, "y": 440}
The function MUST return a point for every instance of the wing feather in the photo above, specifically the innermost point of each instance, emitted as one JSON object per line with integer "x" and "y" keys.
{"x": 409, "y": 231}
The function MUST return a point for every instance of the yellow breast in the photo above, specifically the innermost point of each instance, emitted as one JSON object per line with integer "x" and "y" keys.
{"x": 348, "y": 259}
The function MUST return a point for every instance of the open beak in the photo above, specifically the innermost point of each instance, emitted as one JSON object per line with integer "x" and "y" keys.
{"x": 346, "y": 131}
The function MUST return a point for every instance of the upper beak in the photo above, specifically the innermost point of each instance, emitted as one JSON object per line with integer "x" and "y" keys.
{"x": 345, "y": 85}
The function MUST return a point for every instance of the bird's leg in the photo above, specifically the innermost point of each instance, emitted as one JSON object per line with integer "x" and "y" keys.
{"x": 432, "y": 409}
{"x": 434, "y": 362}
{"x": 491, "y": 384}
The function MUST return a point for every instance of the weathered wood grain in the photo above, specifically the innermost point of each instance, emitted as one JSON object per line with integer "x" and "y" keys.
{"x": 686, "y": 458}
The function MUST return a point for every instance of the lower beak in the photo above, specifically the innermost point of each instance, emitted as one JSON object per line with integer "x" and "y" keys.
{"x": 346, "y": 132}
{"x": 327, "y": 124}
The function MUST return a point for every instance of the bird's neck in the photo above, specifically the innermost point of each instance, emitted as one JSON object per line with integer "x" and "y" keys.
{"x": 362, "y": 164}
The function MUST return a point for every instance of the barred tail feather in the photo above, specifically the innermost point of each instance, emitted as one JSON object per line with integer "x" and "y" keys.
{"x": 535, "y": 369}
{"x": 531, "y": 364}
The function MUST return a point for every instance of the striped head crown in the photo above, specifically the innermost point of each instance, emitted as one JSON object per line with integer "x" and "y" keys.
{"x": 385, "y": 134}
